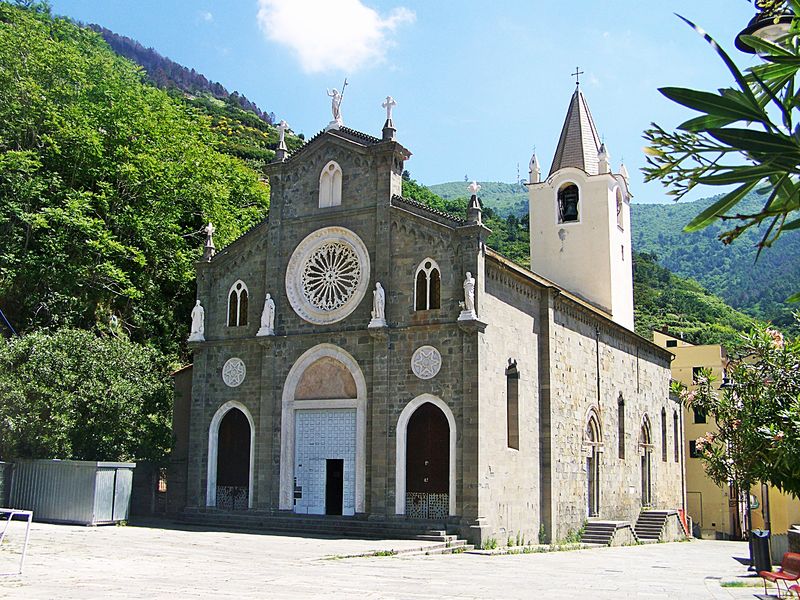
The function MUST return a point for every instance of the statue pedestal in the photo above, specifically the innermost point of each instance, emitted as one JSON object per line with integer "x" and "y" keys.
{"x": 472, "y": 325}
{"x": 265, "y": 331}
{"x": 467, "y": 315}
{"x": 377, "y": 323}
{"x": 196, "y": 337}
{"x": 335, "y": 124}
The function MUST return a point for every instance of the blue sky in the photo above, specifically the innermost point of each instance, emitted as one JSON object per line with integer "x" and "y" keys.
{"x": 478, "y": 84}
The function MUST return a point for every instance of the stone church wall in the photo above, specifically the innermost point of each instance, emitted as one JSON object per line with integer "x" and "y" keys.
{"x": 508, "y": 478}
{"x": 643, "y": 381}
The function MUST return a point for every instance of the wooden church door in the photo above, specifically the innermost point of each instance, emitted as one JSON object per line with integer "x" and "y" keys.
{"x": 427, "y": 463}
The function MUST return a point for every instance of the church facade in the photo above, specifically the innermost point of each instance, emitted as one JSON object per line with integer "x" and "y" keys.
{"x": 364, "y": 355}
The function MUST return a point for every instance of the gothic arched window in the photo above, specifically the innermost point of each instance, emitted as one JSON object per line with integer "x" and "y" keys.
{"x": 512, "y": 404}
{"x": 427, "y": 286}
{"x": 568, "y": 203}
{"x": 676, "y": 437}
{"x": 621, "y": 425}
{"x": 664, "y": 434}
{"x": 330, "y": 185}
{"x": 237, "y": 304}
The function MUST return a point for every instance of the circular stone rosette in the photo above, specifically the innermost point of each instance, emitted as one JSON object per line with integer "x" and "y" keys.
{"x": 426, "y": 362}
{"x": 233, "y": 372}
{"x": 328, "y": 275}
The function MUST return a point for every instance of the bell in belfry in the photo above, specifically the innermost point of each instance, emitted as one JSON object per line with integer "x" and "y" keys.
{"x": 568, "y": 199}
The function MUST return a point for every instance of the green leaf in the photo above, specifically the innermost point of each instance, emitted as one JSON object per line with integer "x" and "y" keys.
{"x": 712, "y": 104}
{"x": 705, "y": 122}
{"x": 766, "y": 49}
{"x": 756, "y": 141}
{"x": 713, "y": 212}
{"x": 794, "y": 298}
{"x": 791, "y": 225}
{"x": 738, "y": 174}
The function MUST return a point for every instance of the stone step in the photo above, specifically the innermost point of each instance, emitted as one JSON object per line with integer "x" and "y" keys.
{"x": 455, "y": 548}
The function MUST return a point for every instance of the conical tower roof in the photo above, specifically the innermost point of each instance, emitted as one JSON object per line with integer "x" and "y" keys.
{"x": 579, "y": 143}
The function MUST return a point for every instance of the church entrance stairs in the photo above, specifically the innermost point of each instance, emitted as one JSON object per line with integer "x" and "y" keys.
{"x": 330, "y": 526}
{"x": 652, "y": 525}
{"x": 608, "y": 533}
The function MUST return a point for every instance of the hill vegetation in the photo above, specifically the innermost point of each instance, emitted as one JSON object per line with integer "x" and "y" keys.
{"x": 661, "y": 298}
{"x": 243, "y": 129}
{"x": 105, "y": 185}
{"x": 757, "y": 288}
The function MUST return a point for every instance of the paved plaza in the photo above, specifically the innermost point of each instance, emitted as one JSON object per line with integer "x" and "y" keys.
{"x": 167, "y": 561}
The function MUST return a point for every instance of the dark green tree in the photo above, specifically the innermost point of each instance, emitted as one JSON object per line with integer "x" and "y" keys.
{"x": 74, "y": 395}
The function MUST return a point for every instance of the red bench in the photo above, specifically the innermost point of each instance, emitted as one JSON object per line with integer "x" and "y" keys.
{"x": 789, "y": 571}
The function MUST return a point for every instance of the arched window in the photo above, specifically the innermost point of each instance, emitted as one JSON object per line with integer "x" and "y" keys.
{"x": 330, "y": 185}
{"x": 621, "y": 425}
{"x": 568, "y": 203}
{"x": 512, "y": 404}
{"x": 619, "y": 209}
{"x": 675, "y": 436}
{"x": 593, "y": 438}
{"x": 428, "y": 284}
{"x": 664, "y": 434}
{"x": 237, "y": 304}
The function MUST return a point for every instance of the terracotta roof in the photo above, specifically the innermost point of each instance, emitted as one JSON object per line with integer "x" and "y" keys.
{"x": 579, "y": 143}
{"x": 426, "y": 208}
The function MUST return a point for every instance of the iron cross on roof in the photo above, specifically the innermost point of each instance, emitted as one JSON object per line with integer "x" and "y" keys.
{"x": 577, "y": 74}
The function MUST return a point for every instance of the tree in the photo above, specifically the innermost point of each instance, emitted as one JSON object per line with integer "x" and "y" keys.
{"x": 757, "y": 414}
{"x": 74, "y": 395}
{"x": 745, "y": 136}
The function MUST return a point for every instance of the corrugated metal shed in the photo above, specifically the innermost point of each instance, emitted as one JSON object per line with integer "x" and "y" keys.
{"x": 72, "y": 491}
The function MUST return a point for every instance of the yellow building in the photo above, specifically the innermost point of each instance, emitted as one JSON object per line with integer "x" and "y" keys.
{"x": 714, "y": 510}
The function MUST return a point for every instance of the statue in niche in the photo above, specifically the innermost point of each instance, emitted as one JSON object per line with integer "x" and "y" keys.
{"x": 197, "y": 331}
{"x": 468, "y": 305}
{"x": 267, "y": 317}
{"x": 378, "y": 307}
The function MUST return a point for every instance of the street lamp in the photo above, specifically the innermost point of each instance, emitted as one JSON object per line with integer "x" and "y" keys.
{"x": 770, "y": 23}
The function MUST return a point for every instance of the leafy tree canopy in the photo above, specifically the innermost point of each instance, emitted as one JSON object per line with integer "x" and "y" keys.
{"x": 74, "y": 395}
{"x": 105, "y": 185}
{"x": 744, "y": 137}
{"x": 757, "y": 414}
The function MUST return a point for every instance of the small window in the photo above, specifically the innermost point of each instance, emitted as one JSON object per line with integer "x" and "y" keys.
{"x": 672, "y": 343}
{"x": 162, "y": 480}
{"x": 512, "y": 404}
{"x": 237, "y": 305}
{"x": 330, "y": 185}
{"x": 427, "y": 286}
{"x": 693, "y": 453}
{"x": 697, "y": 372}
{"x": 700, "y": 415}
{"x": 675, "y": 436}
{"x": 621, "y": 426}
{"x": 619, "y": 209}
{"x": 568, "y": 197}
{"x": 664, "y": 435}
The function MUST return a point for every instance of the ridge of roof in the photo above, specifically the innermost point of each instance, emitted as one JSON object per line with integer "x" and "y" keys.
{"x": 427, "y": 208}
{"x": 579, "y": 143}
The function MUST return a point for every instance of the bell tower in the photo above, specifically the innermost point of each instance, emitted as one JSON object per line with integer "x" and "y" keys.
{"x": 580, "y": 218}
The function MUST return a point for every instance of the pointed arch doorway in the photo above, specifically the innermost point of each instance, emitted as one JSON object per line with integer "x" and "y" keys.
{"x": 426, "y": 463}
{"x": 593, "y": 441}
{"x": 646, "y": 445}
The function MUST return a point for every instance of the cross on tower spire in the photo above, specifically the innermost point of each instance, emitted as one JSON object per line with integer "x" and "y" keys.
{"x": 577, "y": 74}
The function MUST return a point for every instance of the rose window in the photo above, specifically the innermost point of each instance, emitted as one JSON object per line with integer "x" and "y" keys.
{"x": 331, "y": 275}
{"x": 327, "y": 275}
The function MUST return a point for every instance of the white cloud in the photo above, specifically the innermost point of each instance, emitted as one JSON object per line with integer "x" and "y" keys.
{"x": 206, "y": 16}
{"x": 331, "y": 34}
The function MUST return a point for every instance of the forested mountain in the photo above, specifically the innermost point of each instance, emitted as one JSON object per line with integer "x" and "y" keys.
{"x": 731, "y": 272}
{"x": 243, "y": 129}
{"x": 758, "y": 288}
{"x": 661, "y": 299}
{"x": 106, "y": 183}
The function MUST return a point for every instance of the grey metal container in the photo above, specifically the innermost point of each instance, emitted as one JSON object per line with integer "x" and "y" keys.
{"x": 73, "y": 491}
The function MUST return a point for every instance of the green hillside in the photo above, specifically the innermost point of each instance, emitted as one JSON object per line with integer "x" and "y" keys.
{"x": 503, "y": 198}
{"x": 731, "y": 272}
{"x": 661, "y": 298}
{"x": 106, "y": 183}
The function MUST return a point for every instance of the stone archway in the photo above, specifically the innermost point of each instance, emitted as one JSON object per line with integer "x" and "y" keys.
{"x": 426, "y": 431}
{"x": 231, "y": 453}
{"x": 646, "y": 447}
{"x": 593, "y": 441}
{"x": 323, "y": 434}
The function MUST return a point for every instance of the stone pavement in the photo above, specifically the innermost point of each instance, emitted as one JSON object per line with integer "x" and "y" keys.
{"x": 168, "y": 561}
